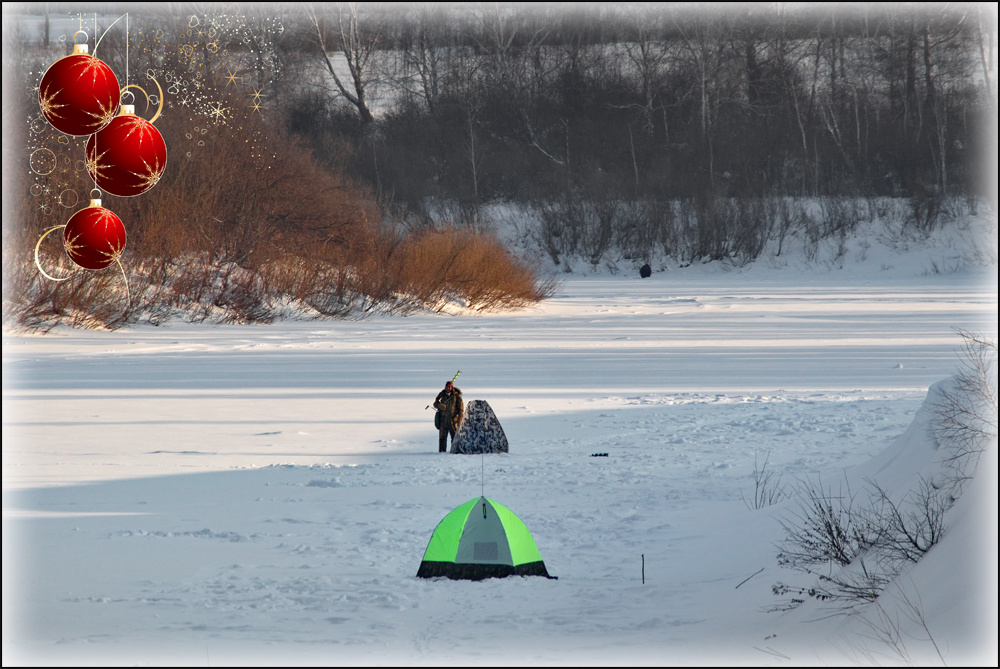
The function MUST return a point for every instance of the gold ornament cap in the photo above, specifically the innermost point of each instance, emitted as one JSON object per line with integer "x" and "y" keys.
{"x": 80, "y": 48}
{"x": 127, "y": 110}
{"x": 95, "y": 202}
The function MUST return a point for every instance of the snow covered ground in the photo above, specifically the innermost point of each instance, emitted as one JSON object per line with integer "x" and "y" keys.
{"x": 264, "y": 494}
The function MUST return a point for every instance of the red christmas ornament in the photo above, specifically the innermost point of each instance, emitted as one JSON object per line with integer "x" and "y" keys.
{"x": 94, "y": 237}
{"x": 78, "y": 94}
{"x": 128, "y": 156}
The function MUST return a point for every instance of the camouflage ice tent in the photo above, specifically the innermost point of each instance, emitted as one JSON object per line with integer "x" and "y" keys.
{"x": 481, "y": 539}
{"x": 480, "y": 431}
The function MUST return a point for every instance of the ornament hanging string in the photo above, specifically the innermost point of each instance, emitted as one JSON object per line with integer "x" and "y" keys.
{"x": 106, "y": 32}
{"x": 128, "y": 35}
{"x": 128, "y": 293}
{"x": 97, "y": 43}
{"x": 128, "y": 39}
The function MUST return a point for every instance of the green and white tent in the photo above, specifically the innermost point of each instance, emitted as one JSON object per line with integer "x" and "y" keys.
{"x": 481, "y": 539}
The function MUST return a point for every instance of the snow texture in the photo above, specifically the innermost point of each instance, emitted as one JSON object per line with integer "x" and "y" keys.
{"x": 195, "y": 494}
{"x": 480, "y": 431}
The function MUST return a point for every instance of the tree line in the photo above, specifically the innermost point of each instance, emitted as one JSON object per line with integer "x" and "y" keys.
{"x": 349, "y": 143}
{"x": 508, "y": 102}
{"x": 480, "y": 102}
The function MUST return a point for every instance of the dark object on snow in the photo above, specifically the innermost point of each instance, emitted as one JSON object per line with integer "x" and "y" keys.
{"x": 598, "y": 455}
{"x": 645, "y": 271}
{"x": 480, "y": 431}
{"x": 481, "y": 539}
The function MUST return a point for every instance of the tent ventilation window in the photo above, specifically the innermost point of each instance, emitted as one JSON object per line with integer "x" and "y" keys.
{"x": 485, "y": 550}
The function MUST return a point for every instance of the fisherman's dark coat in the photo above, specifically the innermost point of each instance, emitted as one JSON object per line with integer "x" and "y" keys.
{"x": 451, "y": 407}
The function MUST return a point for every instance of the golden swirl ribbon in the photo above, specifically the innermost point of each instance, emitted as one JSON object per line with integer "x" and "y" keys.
{"x": 38, "y": 264}
{"x": 159, "y": 109}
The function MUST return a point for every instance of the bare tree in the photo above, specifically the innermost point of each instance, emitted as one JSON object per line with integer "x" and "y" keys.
{"x": 474, "y": 152}
{"x": 358, "y": 43}
{"x": 507, "y": 36}
{"x": 986, "y": 32}
{"x": 424, "y": 54}
{"x": 704, "y": 50}
{"x": 986, "y": 27}
{"x": 794, "y": 60}
{"x": 648, "y": 54}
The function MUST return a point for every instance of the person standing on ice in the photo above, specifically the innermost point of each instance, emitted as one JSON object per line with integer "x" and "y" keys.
{"x": 449, "y": 414}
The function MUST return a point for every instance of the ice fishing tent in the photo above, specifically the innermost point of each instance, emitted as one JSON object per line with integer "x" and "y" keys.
{"x": 481, "y": 539}
{"x": 480, "y": 431}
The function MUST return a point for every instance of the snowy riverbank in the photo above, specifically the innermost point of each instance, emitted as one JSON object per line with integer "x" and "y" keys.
{"x": 193, "y": 493}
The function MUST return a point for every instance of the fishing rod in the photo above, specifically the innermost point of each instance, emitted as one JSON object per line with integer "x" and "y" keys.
{"x": 452, "y": 381}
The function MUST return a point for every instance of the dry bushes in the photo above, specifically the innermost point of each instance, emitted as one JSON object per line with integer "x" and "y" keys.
{"x": 386, "y": 271}
{"x": 230, "y": 235}
{"x": 86, "y": 299}
{"x": 244, "y": 226}
{"x": 459, "y": 264}
{"x": 864, "y": 547}
{"x": 248, "y": 195}
{"x": 966, "y": 413}
{"x": 861, "y": 547}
